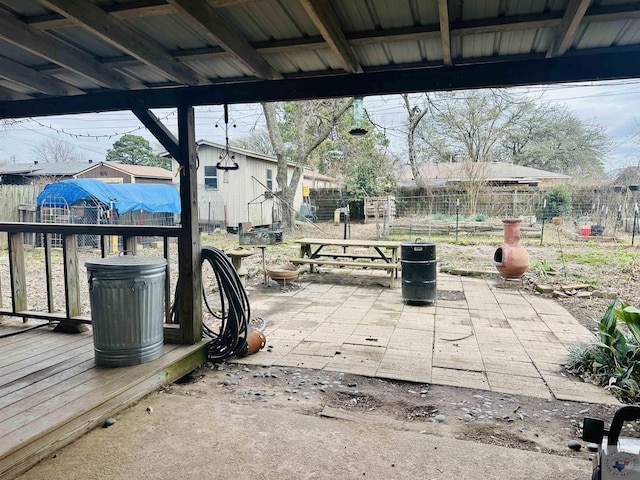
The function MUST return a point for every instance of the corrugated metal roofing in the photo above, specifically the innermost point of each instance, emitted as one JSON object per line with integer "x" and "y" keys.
{"x": 277, "y": 38}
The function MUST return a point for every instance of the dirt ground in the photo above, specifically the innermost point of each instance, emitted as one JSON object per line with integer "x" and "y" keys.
{"x": 513, "y": 421}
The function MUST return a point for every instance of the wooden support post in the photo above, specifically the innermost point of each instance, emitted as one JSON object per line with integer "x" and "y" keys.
{"x": 167, "y": 281}
{"x": 71, "y": 286}
{"x": 189, "y": 256}
{"x": 129, "y": 245}
{"x": 17, "y": 272}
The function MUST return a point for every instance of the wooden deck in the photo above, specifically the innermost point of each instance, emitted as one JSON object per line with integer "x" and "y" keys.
{"x": 51, "y": 391}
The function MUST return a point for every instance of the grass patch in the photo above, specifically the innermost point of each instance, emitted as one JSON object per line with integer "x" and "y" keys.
{"x": 600, "y": 258}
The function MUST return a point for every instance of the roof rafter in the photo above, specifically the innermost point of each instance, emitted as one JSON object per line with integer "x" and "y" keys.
{"x": 326, "y": 21}
{"x": 445, "y": 37}
{"x": 39, "y": 43}
{"x": 138, "y": 9}
{"x": 41, "y": 82}
{"x": 218, "y": 30}
{"x": 8, "y": 94}
{"x": 120, "y": 35}
{"x": 373, "y": 37}
{"x": 569, "y": 24}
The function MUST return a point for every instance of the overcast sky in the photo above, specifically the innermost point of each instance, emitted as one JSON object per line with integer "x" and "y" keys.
{"x": 614, "y": 105}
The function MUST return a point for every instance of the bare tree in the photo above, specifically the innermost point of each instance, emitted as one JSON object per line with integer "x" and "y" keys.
{"x": 304, "y": 126}
{"x": 57, "y": 151}
{"x": 255, "y": 141}
{"x": 473, "y": 178}
{"x": 416, "y": 114}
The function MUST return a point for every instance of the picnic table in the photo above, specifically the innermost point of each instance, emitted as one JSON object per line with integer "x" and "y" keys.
{"x": 352, "y": 253}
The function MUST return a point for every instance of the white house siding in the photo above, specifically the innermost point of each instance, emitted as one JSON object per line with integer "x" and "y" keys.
{"x": 229, "y": 204}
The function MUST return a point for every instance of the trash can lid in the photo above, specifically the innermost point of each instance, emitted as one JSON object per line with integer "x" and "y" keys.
{"x": 126, "y": 262}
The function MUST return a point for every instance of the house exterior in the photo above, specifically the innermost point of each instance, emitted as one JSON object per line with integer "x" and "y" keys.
{"x": 111, "y": 172}
{"x": 491, "y": 173}
{"x": 115, "y": 172}
{"x": 227, "y": 198}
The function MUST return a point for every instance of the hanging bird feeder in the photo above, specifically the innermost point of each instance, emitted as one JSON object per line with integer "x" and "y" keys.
{"x": 358, "y": 110}
{"x": 227, "y": 160}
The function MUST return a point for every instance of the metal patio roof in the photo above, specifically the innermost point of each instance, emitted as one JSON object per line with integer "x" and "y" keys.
{"x": 66, "y": 56}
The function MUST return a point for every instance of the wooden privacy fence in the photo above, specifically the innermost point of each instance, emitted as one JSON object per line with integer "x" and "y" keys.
{"x": 11, "y": 198}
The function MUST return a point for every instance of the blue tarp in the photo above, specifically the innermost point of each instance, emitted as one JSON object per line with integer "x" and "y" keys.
{"x": 150, "y": 197}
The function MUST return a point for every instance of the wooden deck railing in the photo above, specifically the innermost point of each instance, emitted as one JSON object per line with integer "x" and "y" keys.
{"x": 72, "y": 316}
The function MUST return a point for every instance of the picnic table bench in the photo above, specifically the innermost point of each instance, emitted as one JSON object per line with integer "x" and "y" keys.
{"x": 380, "y": 254}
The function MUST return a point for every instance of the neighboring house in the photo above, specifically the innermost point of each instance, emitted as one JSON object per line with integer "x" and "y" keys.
{"x": 40, "y": 172}
{"x": 116, "y": 172}
{"x": 112, "y": 172}
{"x": 313, "y": 179}
{"x": 227, "y": 198}
{"x": 491, "y": 173}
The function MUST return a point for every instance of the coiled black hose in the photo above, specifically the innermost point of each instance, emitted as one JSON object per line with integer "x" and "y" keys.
{"x": 234, "y": 311}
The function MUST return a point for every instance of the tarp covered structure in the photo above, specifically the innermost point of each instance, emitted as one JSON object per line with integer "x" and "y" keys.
{"x": 122, "y": 197}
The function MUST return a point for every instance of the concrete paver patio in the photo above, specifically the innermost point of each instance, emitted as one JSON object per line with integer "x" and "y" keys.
{"x": 477, "y": 335}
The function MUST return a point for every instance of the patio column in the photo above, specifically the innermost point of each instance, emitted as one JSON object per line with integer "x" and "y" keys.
{"x": 189, "y": 262}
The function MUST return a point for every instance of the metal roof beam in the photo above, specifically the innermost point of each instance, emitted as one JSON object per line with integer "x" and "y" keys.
{"x": 568, "y": 27}
{"x": 41, "y": 82}
{"x": 113, "y": 31}
{"x": 445, "y": 37}
{"x": 571, "y": 68}
{"x": 39, "y": 43}
{"x": 218, "y": 30}
{"x": 326, "y": 21}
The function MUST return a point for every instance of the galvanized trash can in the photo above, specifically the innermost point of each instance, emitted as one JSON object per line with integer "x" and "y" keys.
{"x": 418, "y": 272}
{"x": 127, "y": 309}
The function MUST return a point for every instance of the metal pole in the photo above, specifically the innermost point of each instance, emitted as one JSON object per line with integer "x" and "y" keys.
{"x": 457, "y": 216}
{"x": 635, "y": 223}
{"x": 544, "y": 207}
{"x": 564, "y": 265}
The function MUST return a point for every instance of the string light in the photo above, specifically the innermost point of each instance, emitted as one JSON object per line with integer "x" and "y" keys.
{"x": 108, "y": 136}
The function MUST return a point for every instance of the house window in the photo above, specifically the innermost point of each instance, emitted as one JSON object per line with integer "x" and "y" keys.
{"x": 269, "y": 179}
{"x": 210, "y": 178}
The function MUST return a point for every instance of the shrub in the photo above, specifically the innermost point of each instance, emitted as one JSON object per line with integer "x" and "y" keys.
{"x": 558, "y": 201}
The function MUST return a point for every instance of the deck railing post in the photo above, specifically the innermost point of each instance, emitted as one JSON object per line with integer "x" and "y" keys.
{"x": 17, "y": 272}
{"x": 71, "y": 285}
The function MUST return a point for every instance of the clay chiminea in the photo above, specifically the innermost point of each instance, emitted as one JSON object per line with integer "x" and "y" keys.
{"x": 511, "y": 259}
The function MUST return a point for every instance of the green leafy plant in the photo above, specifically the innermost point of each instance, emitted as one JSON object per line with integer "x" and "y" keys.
{"x": 613, "y": 360}
{"x": 480, "y": 217}
{"x": 542, "y": 268}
